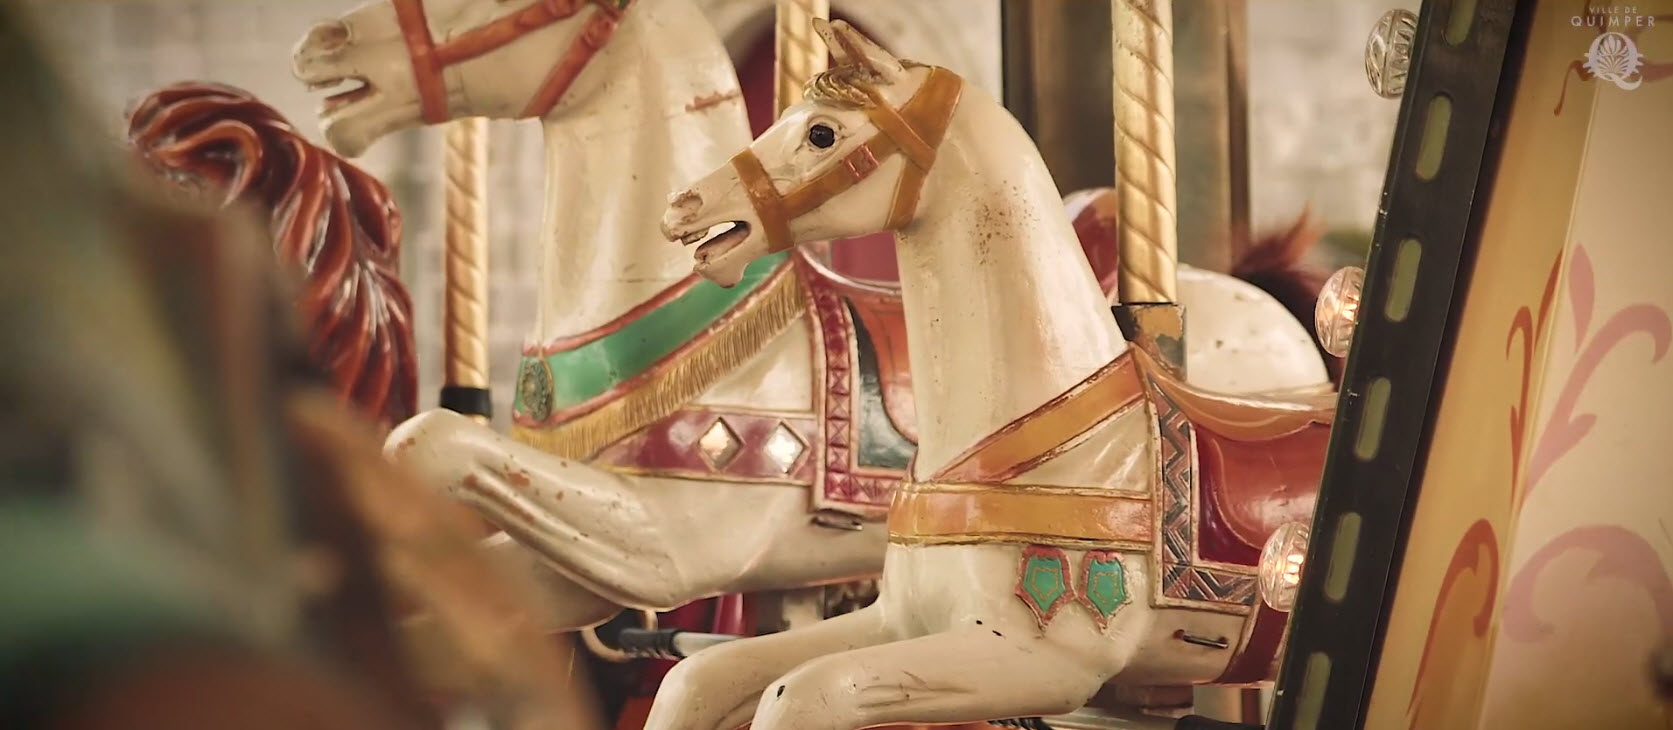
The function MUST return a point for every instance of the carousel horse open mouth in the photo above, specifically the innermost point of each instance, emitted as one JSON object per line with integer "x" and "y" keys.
{"x": 714, "y": 240}
{"x": 350, "y": 89}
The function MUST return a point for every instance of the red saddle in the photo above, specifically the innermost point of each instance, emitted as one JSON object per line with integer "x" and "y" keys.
{"x": 1259, "y": 461}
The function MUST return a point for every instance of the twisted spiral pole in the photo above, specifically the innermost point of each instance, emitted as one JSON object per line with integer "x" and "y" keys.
{"x": 1144, "y": 149}
{"x": 800, "y": 52}
{"x": 465, "y": 308}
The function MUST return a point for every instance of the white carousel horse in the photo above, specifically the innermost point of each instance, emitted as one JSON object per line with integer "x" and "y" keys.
{"x": 1027, "y": 564}
{"x": 625, "y": 121}
{"x": 669, "y": 433}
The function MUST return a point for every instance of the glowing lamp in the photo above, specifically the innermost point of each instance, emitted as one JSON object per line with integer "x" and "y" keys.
{"x": 1280, "y": 568}
{"x": 1338, "y": 310}
{"x": 1388, "y": 52}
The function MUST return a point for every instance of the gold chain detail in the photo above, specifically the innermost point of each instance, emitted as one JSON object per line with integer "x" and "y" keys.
{"x": 1144, "y": 149}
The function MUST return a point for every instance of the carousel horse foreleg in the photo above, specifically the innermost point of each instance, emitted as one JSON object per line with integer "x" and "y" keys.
{"x": 969, "y": 675}
{"x": 719, "y": 687}
{"x": 564, "y": 604}
{"x": 585, "y": 523}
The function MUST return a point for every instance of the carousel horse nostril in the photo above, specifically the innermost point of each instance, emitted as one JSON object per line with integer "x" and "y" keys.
{"x": 328, "y": 36}
{"x": 685, "y": 203}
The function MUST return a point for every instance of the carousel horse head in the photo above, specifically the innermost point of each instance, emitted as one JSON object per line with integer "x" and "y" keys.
{"x": 406, "y": 63}
{"x": 326, "y": 218}
{"x": 849, "y": 160}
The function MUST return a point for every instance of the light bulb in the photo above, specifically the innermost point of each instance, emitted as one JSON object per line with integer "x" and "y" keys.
{"x": 1282, "y": 559}
{"x": 1388, "y": 52}
{"x": 1337, "y": 312}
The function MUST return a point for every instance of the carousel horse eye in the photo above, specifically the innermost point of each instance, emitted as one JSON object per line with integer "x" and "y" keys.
{"x": 821, "y": 136}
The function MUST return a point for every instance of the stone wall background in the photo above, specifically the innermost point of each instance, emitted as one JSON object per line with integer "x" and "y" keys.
{"x": 1317, "y": 133}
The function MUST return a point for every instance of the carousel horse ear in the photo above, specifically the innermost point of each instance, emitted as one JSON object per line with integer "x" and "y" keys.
{"x": 849, "y": 47}
{"x": 839, "y": 53}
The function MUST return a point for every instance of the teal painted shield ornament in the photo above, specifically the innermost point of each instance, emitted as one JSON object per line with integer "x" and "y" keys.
{"x": 1043, "y": 581}
{"x": 1103, "y": 585}
{"x": 534, "y": 389}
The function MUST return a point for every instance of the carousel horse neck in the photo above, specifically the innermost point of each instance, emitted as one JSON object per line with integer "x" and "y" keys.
{"x": 1004, "y": 310}
{"x": 611, "y": 163}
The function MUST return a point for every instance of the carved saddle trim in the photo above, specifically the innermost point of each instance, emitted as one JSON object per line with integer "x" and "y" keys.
{"x": 842, "y": 482}
{"x": 1076, "y": 518}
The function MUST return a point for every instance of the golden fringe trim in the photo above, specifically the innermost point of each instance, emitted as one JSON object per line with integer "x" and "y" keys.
{"x": 733, "y": 340}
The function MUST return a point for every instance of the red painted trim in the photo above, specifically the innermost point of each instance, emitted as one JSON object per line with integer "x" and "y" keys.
{"x": 662, "y": 366}
{"x": 426, "y": 68}
{"x": 570, "y": 342}
{"x": 1252, "y": 661}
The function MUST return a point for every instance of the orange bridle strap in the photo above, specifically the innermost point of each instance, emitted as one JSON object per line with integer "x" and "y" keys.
{"x": 915, "y": 131}
{"x": 429, "y": 60}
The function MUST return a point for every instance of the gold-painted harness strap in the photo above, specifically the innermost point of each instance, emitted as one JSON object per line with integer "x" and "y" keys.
{"x": 758, "y": 185}
{"x": 848, "y": 172}
{"x": 943, "y": 513}
{"x": 926, "y": 118}
{"x": 895, "y": 126}
{"x": 915, "y": 130}
{"x": 1030, "y": 440}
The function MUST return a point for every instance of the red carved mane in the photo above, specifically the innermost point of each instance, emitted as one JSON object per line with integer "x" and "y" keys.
{"x": 334, "y": 222}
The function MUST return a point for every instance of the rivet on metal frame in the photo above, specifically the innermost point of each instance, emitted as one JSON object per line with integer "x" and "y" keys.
{"x": 1388, "y": 52}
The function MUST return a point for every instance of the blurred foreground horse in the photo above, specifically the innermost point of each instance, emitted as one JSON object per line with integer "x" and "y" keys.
{"x": 195, "y": 534}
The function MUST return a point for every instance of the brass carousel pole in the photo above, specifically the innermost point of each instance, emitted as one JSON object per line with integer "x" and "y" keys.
{"x": 1142, "y": 59}
{"x": 465, "y": 386}
{"x": 1148, "y": 185}
{"x": 799, "y": 52}
{"x": 465, "y": 307}
{"x": 1145, "y": 180}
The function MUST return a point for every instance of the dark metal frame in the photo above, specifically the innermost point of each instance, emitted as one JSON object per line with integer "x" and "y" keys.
{"x": 1335, "y": 641}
